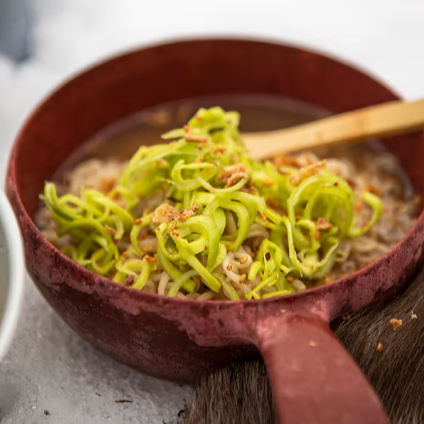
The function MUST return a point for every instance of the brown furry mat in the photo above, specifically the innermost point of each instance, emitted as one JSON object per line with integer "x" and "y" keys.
{"x": 241, "y": 393}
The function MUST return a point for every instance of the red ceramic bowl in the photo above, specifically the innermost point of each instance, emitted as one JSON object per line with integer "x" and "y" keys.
{"x": 177, "y": 339}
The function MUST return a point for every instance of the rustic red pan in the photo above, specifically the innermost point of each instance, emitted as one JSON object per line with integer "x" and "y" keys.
{"x": 314, "y": 380}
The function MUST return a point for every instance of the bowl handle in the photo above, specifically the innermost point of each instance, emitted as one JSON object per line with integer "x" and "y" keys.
{"x": 313, "y": 378}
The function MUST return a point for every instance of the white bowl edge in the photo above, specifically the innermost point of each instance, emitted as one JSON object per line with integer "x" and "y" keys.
{"x": 16, "y": 274}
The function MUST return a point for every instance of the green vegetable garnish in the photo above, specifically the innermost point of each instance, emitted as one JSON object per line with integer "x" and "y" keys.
{"x": 216, "y": 193}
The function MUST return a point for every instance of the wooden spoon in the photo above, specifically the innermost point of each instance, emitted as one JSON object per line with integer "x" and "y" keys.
{"x": 384, "y": 120}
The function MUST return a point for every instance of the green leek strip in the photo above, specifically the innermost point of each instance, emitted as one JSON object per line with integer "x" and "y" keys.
{"x": 51, "y": 200}
{"x": 203, "y": 198}
{"x": 277, "y": 239}
{"x": 242, "y": 215}
{"x": 286, "y": 270}
{"x": 109, "y": 247}
{"x": 119, "y": 277}
{"x": 209, "y": 170}
{"x": 71, "y": 252}
{"x": 107, "y": 254}
{"x": 147, "y": 268}
{"x": 118, "y": 225}
{"x": 213, "y": 206}
{"x": 318, "y": 183}
{"x": 272, "y": 216}
{"x": 227, "y": 287}
{"x": 184, "y": 252}
{"x": 135, "y": 231}
{"x": 329, "y": 211}
{"x": 307, "y": 214}
{"x": 221, "y": 255}
{"x": 186, "y": 199}
{"x": 267, "y": 224}
{"x": 60, "y": 222}
{"x": 299, "y": 192}
{"x": 271, "y": 256}
{"x": 255, "y": 268}
{"x": 84, "y": 223}
{"x": 276, "y": 294}
{"x": 303, "y": 270}
{"x": 232, "y": 189}
{"x": 246, "y": 198}
{"x": 146, "y": 157}
{"x": 206, "y": 226}
{"x": 325, "y": 265}
{"x": 251, "y": 205}
{"x": 100, "y": 269}
{"x": 220, "y": 220}
{"x": 197, "y": 244}
{"x": 77, "y": 202}
{"x": 188, "y": 285}
{"x": 183, "y": 278}
{"x": 270, "y": 281}
{"x": 243, "y": 222}
{"x": 127, "y": 267}
{"x": 145, "y": 186}
{"x": 101, "y": 199}
{"x": 83, "y": 251}
{"x": 162, "y": 238}
{"x": 347, "y": 208}
{"x": 312, "y": 228}
{"x": 282, "y": 283}
{"x": 125, "y": 194}
{"x": 179, "y": 133}
{"x": 377, "y": 207}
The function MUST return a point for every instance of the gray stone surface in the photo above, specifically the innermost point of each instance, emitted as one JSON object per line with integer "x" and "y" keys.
{"x": 49, "y": 367}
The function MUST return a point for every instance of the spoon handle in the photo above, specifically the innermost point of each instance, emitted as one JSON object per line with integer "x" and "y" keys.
{"x": 383, "y": 120}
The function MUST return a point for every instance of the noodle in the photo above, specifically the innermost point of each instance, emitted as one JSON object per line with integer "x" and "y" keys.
{"x": 163, "y": 283}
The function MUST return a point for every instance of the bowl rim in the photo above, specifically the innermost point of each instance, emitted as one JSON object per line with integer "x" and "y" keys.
{"x": 15, "y": 278}
{"x": 138, "y": 295}
{"x": 338, "y": 57}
